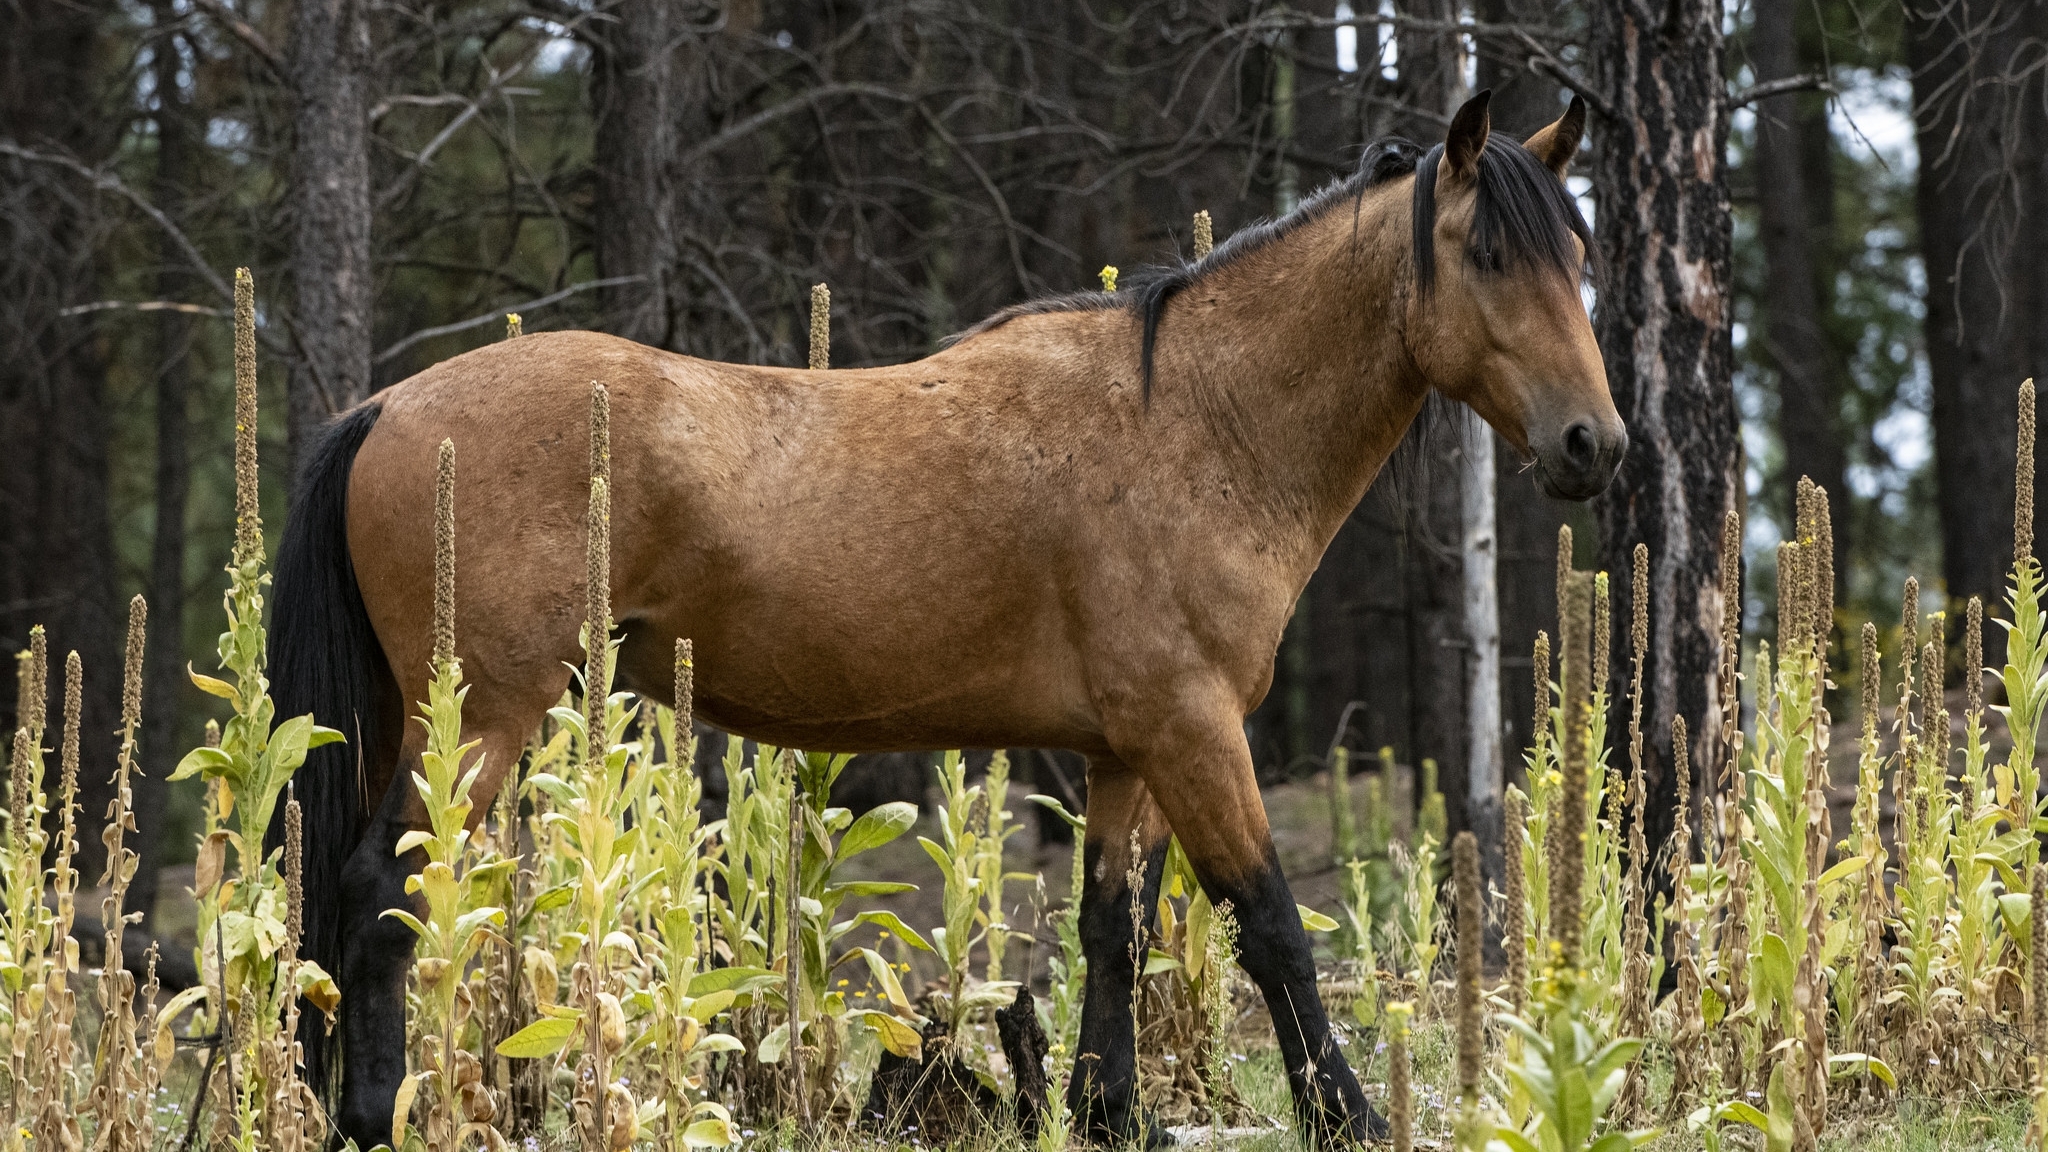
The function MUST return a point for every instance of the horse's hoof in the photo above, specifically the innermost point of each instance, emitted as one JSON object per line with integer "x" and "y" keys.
{"x": 1100, "y": 1133}
{"x": 1333, "y": 1125}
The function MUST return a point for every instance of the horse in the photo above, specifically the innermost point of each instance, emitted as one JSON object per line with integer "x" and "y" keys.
{"x": 1082, "y": 525}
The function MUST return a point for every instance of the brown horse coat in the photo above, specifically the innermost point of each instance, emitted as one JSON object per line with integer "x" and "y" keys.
{"x": 1008, "y": 543}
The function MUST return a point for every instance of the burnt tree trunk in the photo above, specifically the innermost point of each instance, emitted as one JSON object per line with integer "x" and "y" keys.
{"x": 1981, "y": 132}
{"x": 1810, "y": 369}
{"x": 57, "y": 564}
{"x": 636, "y": 90}
{"x": 1663, "y": 321}
{"x": 332, "y": 279}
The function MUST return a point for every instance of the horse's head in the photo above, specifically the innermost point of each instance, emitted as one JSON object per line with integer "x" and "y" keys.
{"x": 1496, "y": 319}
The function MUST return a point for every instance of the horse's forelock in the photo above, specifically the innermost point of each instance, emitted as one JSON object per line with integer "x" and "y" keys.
{"x": 1522, "y": 215}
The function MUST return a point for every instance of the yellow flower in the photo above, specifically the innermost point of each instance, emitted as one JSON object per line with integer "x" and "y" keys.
{"x": 842, "y": 983}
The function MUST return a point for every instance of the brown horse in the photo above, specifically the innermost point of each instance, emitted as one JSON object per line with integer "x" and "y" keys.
{"x": 1083, "y": 526}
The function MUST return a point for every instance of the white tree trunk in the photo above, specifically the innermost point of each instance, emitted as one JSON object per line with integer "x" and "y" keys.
{"x": 1485, "y": 782}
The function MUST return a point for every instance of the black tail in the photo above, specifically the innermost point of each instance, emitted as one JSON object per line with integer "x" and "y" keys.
{"x": 324, "y": 659}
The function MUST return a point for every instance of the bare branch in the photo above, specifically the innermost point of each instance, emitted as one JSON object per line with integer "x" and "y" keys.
{"x": 145, "y": 306}
{"x": 497, "y": 314}
{"x": 1543, "y": 60}
{"x": 1810, "y": 82}
{"x": 105, "y": 181}
{"x": 790, "y": 107}
{"x": 253, "y": 40}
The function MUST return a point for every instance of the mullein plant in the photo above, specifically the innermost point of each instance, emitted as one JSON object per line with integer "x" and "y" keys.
{"x": 680, "y": 1035}
{"x": 52, "y": 1073}
{"x": 1637, "y": 980}
{"x": 447, "y": 1081}
{"x": 1067, "y": 973}
{"x": 124, "y": 1075}
{"x": 2025, "y": 675}
{"x": 242, "y": 912}
{"x": 961, "y": 852}
{"x": 1471, "y": 1128}
{"x": 28, "y": 920}
{"x": 2036, "y": 1023}
{"x": 589, "y": 814}
{"x": 1568, "y": 1072}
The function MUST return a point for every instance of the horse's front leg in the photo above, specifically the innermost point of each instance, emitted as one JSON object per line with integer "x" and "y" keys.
{"x": 1102, "y": 1095}
{"x": 1194, "y": 759}
{"x": 376, "y": 959}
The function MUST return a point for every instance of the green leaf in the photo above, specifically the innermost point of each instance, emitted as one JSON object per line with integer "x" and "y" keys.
{"x": 213, "y": 687}
{"x": 556, "y": 897}
{"x": 1842, "y": 871}
{"x": 1744, "y": 1112}
{"x": 1574, "y": 1116}
{"x": 772, "y": 1046}
{"x": 540, "y": 1038}
{"x": 1077, "y": 823}
{"x": 894, "y": 925}
{"x": 703, "y": 1008}
{"x": 1778, "y": 1132}
{"x": 868, "y": 888}
{"x": 207, "y": 761}
{"x": 718, "y": 979}
{"x": 1314, "y": 921}
{"x": 1157, "y": 962}
{"x": 896, "y": 1036}
{"x": 877, "y": 827}
{"x": 1845, "y": 1064}
{"x": 709, "y": 1133}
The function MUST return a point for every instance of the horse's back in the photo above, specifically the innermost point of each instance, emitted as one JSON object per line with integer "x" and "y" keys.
{"x": 857, "y": 554}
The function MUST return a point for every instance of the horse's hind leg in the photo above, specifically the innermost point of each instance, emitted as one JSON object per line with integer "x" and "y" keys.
{"x": 377, "y": 950}
{"x": 376, "y": 956}
{"x": 1197, "y": 764}
{"x": 1103, "y": 1090}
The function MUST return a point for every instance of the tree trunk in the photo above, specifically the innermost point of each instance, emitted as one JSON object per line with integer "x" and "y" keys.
{"x": 330, "y": 206}
{"x": 1525, "y": 519}
{"x": 56, "y": 535}
{"x": 1810, "y": 370}
{"x": 635, "y": 84}
{"x": 164, "y": 691}
{"x": 1485, "y": 785}
{"x": 1981, "y": 132}
{"x": 1660, "y": 173}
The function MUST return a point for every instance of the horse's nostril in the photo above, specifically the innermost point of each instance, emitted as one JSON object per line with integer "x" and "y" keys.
{"x": 1581, "y": 447}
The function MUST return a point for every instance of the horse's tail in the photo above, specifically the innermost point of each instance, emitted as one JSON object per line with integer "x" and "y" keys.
{"x": 325, "y": 659}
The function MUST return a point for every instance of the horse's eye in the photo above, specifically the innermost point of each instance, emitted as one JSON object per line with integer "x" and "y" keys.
{"x": 1485, "y": 259}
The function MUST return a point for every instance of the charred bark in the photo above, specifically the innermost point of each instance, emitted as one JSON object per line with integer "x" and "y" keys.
{"x": 642, "y": 61}
{"x": 1660, "y": 173}
{"x": 332, "y": 279}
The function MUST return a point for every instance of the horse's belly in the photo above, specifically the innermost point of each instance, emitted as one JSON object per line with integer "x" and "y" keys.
{"x": 887, "y": 667}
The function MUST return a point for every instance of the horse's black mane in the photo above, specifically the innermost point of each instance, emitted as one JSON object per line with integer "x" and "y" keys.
{"x": 1523, "y": 213}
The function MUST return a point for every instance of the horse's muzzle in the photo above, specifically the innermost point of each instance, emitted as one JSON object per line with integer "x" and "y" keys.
{"x": 1583, "y": 461}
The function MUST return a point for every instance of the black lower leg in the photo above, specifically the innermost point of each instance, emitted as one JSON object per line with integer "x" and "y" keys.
{"x": 1275, "y": 953}
{"x": 1102, "y": 1095}
{"x": 376, "y": 957}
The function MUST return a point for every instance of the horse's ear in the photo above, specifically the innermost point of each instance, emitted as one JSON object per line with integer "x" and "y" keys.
{"x": 1556, "y": 144}
{"x": 1468, "y": 136}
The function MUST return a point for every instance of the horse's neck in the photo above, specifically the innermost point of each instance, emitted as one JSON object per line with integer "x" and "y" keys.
{"x": 1294, "y": 359}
